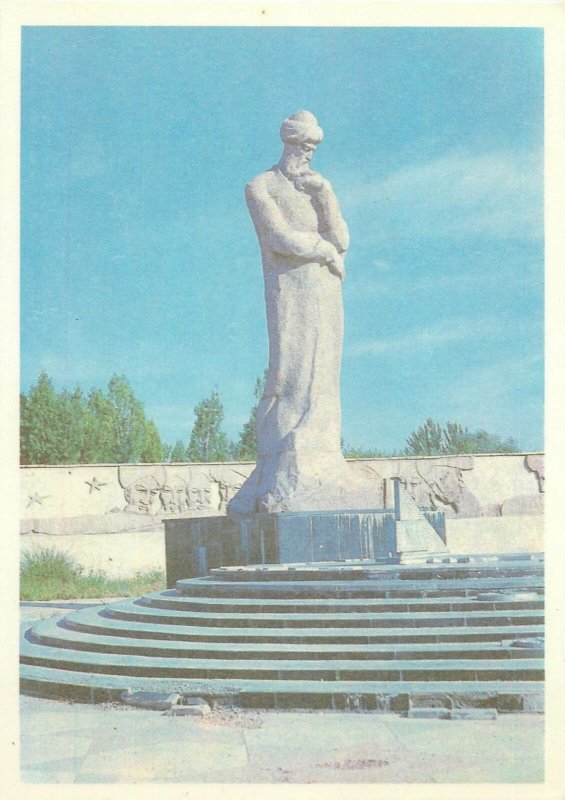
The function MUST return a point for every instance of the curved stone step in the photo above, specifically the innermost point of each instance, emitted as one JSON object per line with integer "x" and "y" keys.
{"x": 462, "y": 567}
{"x": 196, "y": 587}
{"x": 460, "y": 630}
{"x": 371, "y": 696}
{"x": 93, "y": 621}
{"x": 53, "y": 633}
{"x": 134, "y": 611}
{"x": 335, "y": 670}
{"x": 171, "y": 599}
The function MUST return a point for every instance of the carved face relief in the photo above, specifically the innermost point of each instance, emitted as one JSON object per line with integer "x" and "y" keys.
{"x": 418, "y": 490}
{"x": 199, "y": 493}
{"x": 143, "y": 495}
{"x": 227, "y": 491}
{"x": 447, "y": 484}
{"x": 173, "y": 495}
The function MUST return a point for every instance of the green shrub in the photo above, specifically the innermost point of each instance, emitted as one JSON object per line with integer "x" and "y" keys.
{"x": 48, "y": 574}
{"x": 45, "y": 563}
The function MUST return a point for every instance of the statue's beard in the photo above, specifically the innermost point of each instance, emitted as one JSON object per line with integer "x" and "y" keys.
{"x": 296, "y": 167}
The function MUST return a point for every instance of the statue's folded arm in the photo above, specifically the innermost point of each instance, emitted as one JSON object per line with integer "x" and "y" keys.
{"x": 272, "y": 227}
{"x": 334, "y": 228}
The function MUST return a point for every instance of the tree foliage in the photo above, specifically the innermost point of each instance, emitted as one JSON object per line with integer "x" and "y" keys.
{"x": 208, "y": 442}
{"x": 433, "y": 439}
{"x": 110, "y": 426}
{"x": 41, "y": 422}
{"x": 352, "y": 451}
{"x": 246, "y": 447}
{"x": 177, "y": 452}
{"x": 67, "y": 428}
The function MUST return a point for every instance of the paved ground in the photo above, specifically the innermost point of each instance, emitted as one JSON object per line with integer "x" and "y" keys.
{"x": 76, "y": 743}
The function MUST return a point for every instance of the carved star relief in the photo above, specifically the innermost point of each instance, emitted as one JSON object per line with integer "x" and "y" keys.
{"x": 36, "y": 498}
{"x": 95, "y": 485}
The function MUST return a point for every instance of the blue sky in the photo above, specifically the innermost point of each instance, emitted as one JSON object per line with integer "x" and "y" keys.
{"x": 138, "y": 255}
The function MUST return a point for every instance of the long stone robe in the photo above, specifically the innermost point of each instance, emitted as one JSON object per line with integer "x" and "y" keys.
{"x": 300, "y": 465}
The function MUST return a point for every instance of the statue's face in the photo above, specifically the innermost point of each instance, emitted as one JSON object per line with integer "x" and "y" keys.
{"x": 143, "y": 494}
{"x": 173, "y": 496}
{"x": 199, "y": 493}
{"x": 299, "y": 157}
{"x": 417, "y": 490}
{"x": 448, "y": 484}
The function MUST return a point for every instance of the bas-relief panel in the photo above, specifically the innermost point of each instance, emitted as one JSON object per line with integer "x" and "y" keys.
{"x": 462, "y": 486}
{"x": 156, "y": 489}
{"x": 440, "y": 484}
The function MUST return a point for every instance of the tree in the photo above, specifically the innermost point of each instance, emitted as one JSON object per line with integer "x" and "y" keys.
{"x": 460, "y": 440}
{"x": 208, "y": 442}
{"x": 177, "y": 453}
{"x": 431, "y": 439}
{"x": 39, "y": 434}
{"x": 427, "y": 440}
{"x": 66, "y": 428}
{"x": 152, "y": 449}
{"x": 246, "y": 448}
{"x": 98, "y": 440}
{"x": 127, "y": 421}
{"x": 351, "y": 451}
{"x": 70, "y": 425}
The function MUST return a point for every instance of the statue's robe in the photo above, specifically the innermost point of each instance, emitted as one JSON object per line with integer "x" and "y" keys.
{"x": 300, "y": 465}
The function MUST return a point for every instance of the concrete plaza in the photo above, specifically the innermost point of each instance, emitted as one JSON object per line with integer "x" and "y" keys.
{"x": 75, "y": 743}
{"x": 64, "y": 742}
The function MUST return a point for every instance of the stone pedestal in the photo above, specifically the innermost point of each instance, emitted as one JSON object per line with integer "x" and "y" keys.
{"x": 195, "y": 546}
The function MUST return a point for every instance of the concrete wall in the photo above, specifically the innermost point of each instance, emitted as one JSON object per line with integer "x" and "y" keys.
{"x": 109, "y": 516}
{"x": 495, "y": 535}
{"x": 119, "y": 555}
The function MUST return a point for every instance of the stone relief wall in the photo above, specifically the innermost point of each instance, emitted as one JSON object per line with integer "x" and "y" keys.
{"x": 462, "y": 486}
{"x": 466, "y": 486}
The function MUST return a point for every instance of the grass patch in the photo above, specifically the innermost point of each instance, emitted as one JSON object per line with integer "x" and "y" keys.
{"x": 48, "y": 574}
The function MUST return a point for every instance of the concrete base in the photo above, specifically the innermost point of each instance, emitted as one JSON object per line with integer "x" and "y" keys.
{"x": 194, "y": 546}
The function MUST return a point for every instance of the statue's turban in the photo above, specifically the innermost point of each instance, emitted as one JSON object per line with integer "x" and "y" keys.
{"x": 130, "y": 473}
{"x": 301, "y": 127}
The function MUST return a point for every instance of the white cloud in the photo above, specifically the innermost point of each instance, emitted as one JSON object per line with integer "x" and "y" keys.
{"x": 364, "y": 283}
{"x": 496, "y": 194}
{"x": 432, "y": 336}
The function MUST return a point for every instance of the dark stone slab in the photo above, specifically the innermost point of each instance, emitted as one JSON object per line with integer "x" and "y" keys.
{"x": 196, "y": 546}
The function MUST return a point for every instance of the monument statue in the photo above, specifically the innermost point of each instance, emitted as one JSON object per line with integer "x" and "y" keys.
{"x": 303, "y": 240}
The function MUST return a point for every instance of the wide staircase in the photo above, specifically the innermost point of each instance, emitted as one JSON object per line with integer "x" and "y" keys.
{"x": 452, "y": 632}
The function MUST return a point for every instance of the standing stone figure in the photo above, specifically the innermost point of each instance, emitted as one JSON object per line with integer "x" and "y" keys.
{"x": 303, "y": 239}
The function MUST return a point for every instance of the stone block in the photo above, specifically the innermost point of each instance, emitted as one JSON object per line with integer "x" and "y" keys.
{"x": 430, "y": 700}
{"x": 157, "y": 701}
{"x": 190, "y": 707}
{"x": 474, "y": 714}
{"x": 429, "y": 713}
{"x": 400, "y": 702}
{"x": 511, "y": 701}
{"x": 533, "y": 703}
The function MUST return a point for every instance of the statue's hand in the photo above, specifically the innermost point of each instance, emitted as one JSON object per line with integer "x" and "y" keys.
{"x": 331, "y": 258}
{"x": 337, "y": 267}
{"x": 312, "y": 183}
